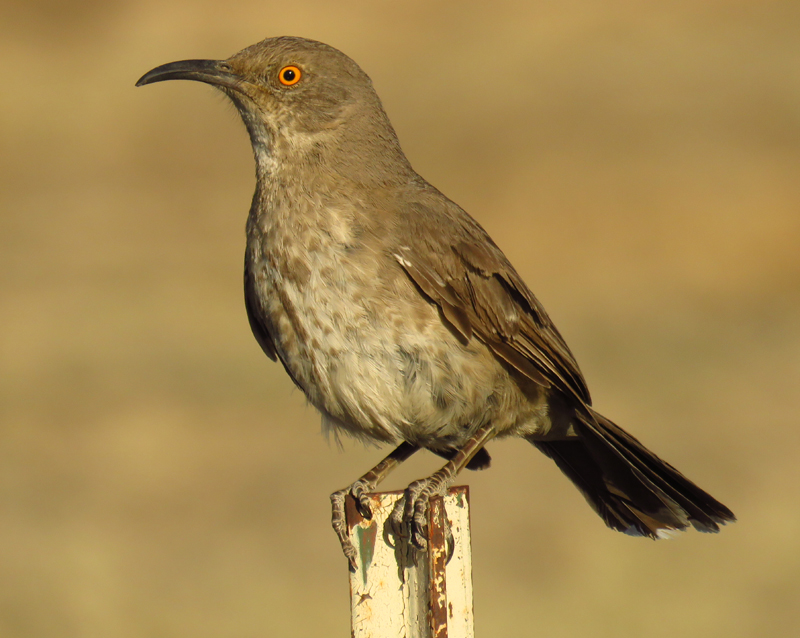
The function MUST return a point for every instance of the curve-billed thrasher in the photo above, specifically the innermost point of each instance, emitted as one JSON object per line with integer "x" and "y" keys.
{"x": 397, "y": 315}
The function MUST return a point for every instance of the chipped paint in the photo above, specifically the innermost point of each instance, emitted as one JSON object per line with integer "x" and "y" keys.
{"x": 366, "y": 533}
{"x": 401, "y": 592}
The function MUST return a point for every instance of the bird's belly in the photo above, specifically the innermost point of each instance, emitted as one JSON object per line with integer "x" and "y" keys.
{"x": 375, "y": 357}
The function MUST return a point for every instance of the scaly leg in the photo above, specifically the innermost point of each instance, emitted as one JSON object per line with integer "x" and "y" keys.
{"x": 359, "y": 491}
{"x": 411, "y": 512}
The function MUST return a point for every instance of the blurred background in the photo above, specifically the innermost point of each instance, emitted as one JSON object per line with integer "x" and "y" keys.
{"x": 638, "y": 162}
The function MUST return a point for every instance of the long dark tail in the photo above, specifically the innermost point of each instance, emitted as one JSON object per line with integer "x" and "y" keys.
{"x": 633, "y": 490}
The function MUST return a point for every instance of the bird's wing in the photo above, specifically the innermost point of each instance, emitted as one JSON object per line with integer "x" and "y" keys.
{"x": 260, "y": 330}
{"x": 457, "y": 266}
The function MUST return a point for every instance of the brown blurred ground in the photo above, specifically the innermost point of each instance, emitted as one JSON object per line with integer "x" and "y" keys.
{"x": 640, "y": 166}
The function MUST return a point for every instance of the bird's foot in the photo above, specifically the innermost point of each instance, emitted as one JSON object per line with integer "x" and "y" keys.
{"x": 409, "y": 518}
{"x": 358, "y": 491}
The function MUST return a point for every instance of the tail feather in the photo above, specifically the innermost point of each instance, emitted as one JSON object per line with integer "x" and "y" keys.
{"x": 633, "y": 490}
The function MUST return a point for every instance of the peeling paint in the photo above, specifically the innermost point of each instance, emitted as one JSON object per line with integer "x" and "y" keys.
{"x": 404, "y": 593}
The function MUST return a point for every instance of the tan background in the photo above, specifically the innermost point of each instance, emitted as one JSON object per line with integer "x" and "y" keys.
{"x": 638, "y": 162}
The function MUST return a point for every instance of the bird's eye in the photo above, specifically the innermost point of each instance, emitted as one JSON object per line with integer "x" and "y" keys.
{"x": 289, "y": 75}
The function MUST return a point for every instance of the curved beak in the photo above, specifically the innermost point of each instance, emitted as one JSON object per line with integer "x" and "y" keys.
{"x": 214, "y": 72}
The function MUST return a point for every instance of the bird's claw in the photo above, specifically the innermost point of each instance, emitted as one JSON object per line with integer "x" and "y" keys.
{"x": 417, "y": 503}
{"x": 409, "y": 518}
{"x": 359, "y": 492}
{"x": 339, "y": 524}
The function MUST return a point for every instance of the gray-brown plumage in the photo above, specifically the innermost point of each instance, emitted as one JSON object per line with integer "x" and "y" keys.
{"x": 394, "y": 311}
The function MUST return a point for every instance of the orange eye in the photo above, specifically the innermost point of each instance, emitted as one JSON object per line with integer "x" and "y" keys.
{"x": 290, "y": 75}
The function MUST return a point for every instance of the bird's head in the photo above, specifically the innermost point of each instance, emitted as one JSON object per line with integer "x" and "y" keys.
{"x": 298, "y": 97}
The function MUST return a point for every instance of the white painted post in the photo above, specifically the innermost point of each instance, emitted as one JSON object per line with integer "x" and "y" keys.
{"x": 399, "y": 591}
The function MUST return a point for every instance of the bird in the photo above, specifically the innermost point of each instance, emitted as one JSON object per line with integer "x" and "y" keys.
{"x": 398, "y": 316}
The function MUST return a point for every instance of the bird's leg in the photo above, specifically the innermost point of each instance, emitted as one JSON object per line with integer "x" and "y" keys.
{"x": 359, "y": 490}
{"x": 411, "y": 512}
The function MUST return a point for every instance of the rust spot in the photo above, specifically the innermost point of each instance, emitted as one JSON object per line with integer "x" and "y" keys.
{"x": 437, "y": 563}
{"x": 351, "y": 513}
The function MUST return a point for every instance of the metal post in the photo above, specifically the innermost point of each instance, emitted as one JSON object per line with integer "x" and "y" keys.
{"x": 399, "y": 591}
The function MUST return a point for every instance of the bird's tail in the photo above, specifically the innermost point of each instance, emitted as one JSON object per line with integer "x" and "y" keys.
{"x": 633, "y": 490}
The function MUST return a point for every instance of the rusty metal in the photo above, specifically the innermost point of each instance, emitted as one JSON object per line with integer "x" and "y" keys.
{"x": 437, "y": 564}
{"x": 398, "y": 590}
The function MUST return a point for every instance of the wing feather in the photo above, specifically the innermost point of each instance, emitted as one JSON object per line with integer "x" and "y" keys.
{"x": 461, "y": 270}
